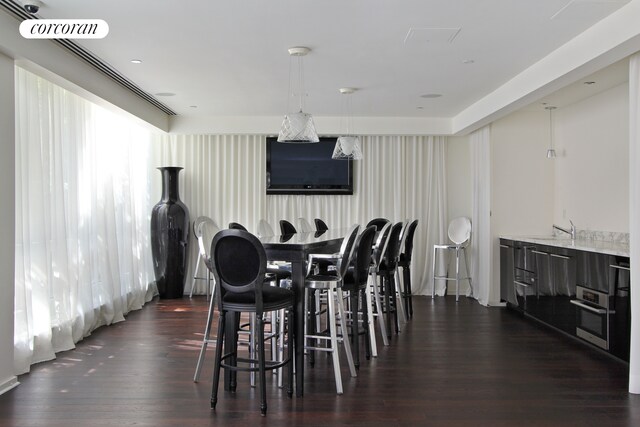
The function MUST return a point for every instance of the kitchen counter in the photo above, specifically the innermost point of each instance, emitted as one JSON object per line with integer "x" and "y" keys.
{"x": 599, "y": 246}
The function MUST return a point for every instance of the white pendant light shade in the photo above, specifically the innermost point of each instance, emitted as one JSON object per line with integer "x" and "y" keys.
{"x": 551, "y": 153}
{"x": 297, "y": 127}
{"x": 347, "y": 147}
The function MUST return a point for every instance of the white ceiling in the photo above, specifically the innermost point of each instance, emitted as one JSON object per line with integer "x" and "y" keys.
{"x": 229, "y": 57}
{"x": 607, "y": 78}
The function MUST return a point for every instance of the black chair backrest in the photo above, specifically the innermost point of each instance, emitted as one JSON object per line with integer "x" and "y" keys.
{"x": 239, "y": 264}
{"x": 378, "y": 223}
{"x": 363, "y": 253}
{"x": 408, "y": 240}
{"x": 320, "y": 225}
{"x": 393, "y": 247}
{"x": 237, "y": 226}
{"x": 381, "y": 245}
{"x": 346, "y": 250}
{"x": 286, "y": 227}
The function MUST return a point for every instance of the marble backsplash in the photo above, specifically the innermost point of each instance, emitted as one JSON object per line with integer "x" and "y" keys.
{"x": 607, "y": 236}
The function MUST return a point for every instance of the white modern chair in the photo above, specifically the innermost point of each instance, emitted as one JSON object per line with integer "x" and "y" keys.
{"x": 459, "y": 233}
{"x": 203, "y": 225}
{"x": 304, "y": 226}
{"x": 332, "y": 285}
{"x": 379, "y": 248}
{"x": 264, "y": 228}
{"x": 205, "y": 231}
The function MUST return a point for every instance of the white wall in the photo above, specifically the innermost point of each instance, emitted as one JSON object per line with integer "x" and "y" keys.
{"x": 522, "y": 181}
{"x": 7, "y": 233}
{"x": 592, "y": 167}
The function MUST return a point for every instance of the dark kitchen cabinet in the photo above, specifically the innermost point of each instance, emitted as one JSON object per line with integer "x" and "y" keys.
{"x": 555, "y": 269}
{"x": 620, "y": 319}
{"x": 595, "y": 271}
{"x": 507, "y": 293}
{"x": 540, "y": 282}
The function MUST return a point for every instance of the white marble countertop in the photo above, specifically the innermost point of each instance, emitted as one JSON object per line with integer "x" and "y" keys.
{"x": 599, "y": 246}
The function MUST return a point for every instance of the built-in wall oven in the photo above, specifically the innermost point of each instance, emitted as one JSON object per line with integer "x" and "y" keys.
{"x": 603, "y": 314}
{"x": 592, "y": 316}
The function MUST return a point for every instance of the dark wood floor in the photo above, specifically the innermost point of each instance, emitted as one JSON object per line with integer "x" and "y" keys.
{"x": 455, "y": 364}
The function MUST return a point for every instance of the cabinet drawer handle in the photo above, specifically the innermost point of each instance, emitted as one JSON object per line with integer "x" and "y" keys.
{"x": 505, "y": 246}
{"x": 540, "y": 253}
{"x": 586, "y": 307}
{"x": 560, "y": 256}
{"x": 619, "y": 267}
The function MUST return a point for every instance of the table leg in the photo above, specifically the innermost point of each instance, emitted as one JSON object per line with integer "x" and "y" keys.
{"x": 297, "y": 279}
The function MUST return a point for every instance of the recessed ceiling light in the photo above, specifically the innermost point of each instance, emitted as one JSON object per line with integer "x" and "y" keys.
{"x": 589, "y": 83}
{"x": 431, "y": 95}
{"x": 136, "y": 61}
{"x": 165, "y": 94}
{"x": 468, "y": 61}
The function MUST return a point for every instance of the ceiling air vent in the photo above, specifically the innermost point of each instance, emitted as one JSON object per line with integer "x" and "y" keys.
{"x": 418, "y": 36}
{"x": 17, "y": 11}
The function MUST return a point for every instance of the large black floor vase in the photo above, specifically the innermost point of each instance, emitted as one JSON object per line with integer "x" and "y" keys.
{"x": 170, "y": 237}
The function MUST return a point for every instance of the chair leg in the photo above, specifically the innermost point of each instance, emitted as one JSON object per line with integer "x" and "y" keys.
{"x": 394, "y": 301}
{"x": 334, "y": 342}
{"x": 195, "y": 275}
{"x": 433, "y": 290}
{"x": 355, "y": 335}
{"x": 365, "y": 323}
{"x": 370, "y": 325}
{"x": 406, "y": 282}
{"x": 216, "y": 367}
{"x": 384, "y": 280}
{"x": 252, "y": 346}
{"x": 261, "y": 365}
{"x": 398, "y": 296}
{"x": 291, "y": 324}
{"x": 311, "y": 323}
{"x": 376, "y": 291}
{"x": 457, "y": 274}
{"x": 280, "y": 344}
{"x": 205, "y": 341}
{"x": 466, "y": 264}
{"x": 345, "y": 334}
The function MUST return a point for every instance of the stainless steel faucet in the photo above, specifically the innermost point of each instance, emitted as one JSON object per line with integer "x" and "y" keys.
{"x": 571, "y": 232}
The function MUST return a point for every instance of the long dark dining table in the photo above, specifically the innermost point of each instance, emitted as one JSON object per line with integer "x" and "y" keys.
{"x": 295, "y": 248}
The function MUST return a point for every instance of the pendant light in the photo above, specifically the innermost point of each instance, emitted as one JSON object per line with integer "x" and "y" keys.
{"x": 297, "y": 127}
{"x": 347, "y": 146}
{"x": 551, "y": 152}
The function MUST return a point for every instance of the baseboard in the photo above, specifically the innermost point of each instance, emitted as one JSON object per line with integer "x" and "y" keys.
{"x": 8, "y": 384}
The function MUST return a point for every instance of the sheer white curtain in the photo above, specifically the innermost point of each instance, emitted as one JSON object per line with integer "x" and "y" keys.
{"x": 399, "y": 178}
{"x": 480, "y": 250}
{"x": 82, "y": 219}
{"x": 634, "y": 215}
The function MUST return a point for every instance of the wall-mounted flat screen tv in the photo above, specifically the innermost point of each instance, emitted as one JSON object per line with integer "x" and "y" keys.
{"x": 307, "y": 168}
